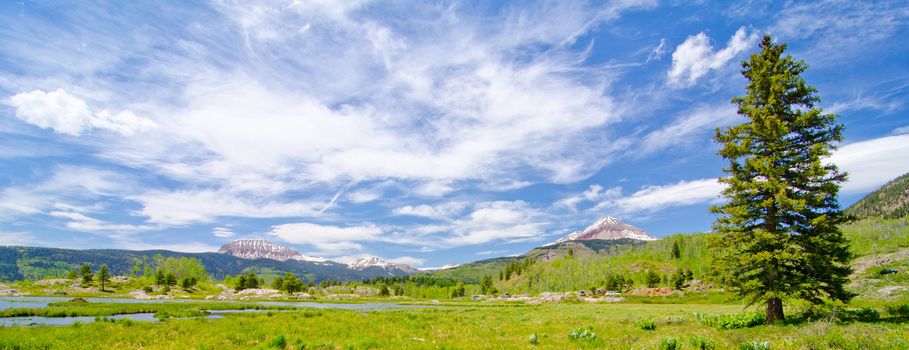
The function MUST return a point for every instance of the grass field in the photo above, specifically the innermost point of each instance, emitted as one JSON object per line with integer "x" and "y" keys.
{"x": 494, "y": 326}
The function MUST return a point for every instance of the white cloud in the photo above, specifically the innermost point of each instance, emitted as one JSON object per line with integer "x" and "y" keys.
{"x": 836, "y": 30}
{"x": 491, "y": 252}
{"x": 66, "y": 186}
{"x": 864, "y": 102}
{"x": 692, "y": 126}
{"x": 17, "y": 239}
{"x": 433, "y": 189}
{"x": 653, "y": 198}
{"x": 67, "y": 114}
{"x": 223, "y": 232}
{"x": 695, "y": 57}
{"x": 901, "y": 130}
{"x": 497, "y": 221}
{"x": 657, "y": 53}
{"x": 190, "y": 247}
{"x": 79, "y": 222}
{"x": 408, "y": 260}
{"x": 364, "y": 196}
{"x": 595, "y": 193}
{"x": 438, "y": 211}
{"x": 327, "y": 238}
{"x": 421, "y": 210}
{"x": 872, "y": 163}
{"x": 205, "y": 206}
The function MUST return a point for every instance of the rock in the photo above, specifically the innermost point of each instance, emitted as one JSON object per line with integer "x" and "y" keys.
{"x": 53, "y": 282}
{"x": 366, "y": 291}
{"x": 54, "y": 292}
{"x": 302, "y": 296}
{"x": 890, "y": 290}
{"x": 342, "y": 296}
{"x": 140, "y": 294}
{"x": 652, "y": 292}
{"x": 552, "y": 297}
{"x": 258, "y": 292}
{"x": 120, "y": 279}
{"x": 11, "y": 293}
{"x": 78, "y": 300}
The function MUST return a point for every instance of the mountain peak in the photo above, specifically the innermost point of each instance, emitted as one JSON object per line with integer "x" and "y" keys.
{"x": 607, "y": 228}
{"x": 262, "y": 249}
{"x": 365, "y": 262}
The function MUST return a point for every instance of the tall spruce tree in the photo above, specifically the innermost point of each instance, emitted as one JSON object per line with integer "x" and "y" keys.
{"x": 779, "y": 228}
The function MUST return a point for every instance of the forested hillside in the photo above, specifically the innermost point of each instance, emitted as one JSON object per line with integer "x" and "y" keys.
{"x": 891, "y": 201}
{"x": 36, "y": 263}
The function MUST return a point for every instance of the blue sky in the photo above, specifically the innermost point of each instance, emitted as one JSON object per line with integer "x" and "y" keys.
{"x": 420, "y": 132}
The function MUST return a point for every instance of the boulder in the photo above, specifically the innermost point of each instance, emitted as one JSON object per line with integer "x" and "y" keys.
{"x": 140, "y": 294}
{"x": 53, "y": 282}
{"x": 11, "y": 293}
{"x": 342, "y": 296}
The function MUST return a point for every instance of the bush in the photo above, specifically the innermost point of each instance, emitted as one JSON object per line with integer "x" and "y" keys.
{"x": 901, "y": 311}
{"x": 840, "y": 314}
{"x": 646, "y": 325}
{"x": 582, "y": 333}
{"x": 703, "y": 343}
{"x": 670, "y": 344}
{"x": 734, "y": 321}
{"x": 755, "y": 345}
{"x": 279, "y": 342}
{"x": 865, "y": 314}
{"x": 534, "y": 339}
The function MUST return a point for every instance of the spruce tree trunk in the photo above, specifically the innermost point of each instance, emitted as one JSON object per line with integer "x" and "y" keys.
{"x": 774, "y": 310}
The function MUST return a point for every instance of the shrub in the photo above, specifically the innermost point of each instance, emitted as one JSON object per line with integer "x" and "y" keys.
{"x": 582, "y": 333}
{"x": 898, "y": 310}
{"x": 278, "y": 342}
{"x": 865, "y": 314}
{"x": 733, "y": 321}
{"x": 840, "y": 314}
{"x": 703, "y": 343}
{"x": 534, "y": 339}
{"x": 646, "y": 325}
{"x": 670, "y": 344}
{"x": 755, "y": 345}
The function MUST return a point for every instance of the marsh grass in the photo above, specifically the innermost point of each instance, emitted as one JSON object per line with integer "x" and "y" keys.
{"x": 451, "y": 327}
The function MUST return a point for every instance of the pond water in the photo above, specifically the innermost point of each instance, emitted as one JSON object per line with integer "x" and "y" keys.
{"x": 42, "y": 302}
{"x": 66, "y": 321}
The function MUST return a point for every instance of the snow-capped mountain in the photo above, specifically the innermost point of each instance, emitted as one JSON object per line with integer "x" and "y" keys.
{"x": 370, "y": 261}
{"x": 262, "y": 249}
{"x": 607, "y": 228}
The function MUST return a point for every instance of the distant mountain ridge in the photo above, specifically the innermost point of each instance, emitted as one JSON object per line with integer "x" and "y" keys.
{"x": 891, "y": 201}
{"x": 366, "y": 262}
{"x": 17, "y": 263}
{"x": 262, "y": 249}
{"x": 606, "y": 228}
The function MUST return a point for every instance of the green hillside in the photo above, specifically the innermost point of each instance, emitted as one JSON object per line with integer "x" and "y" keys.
{"x": 891, "y": 201}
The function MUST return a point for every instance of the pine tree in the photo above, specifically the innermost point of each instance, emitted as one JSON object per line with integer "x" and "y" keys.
{"x": 87, "y": 275}
{"x": 103, "y": 275}
{"x": 779, "y": 227}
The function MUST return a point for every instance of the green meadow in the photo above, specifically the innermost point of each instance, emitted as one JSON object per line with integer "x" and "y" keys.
{"x": 471, "y": 326}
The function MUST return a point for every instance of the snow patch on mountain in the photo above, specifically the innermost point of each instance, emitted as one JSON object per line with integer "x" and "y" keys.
{"x": 606, "y": 228}
{"x": 262, "y": 249}
{"x": 365, "y": 262}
